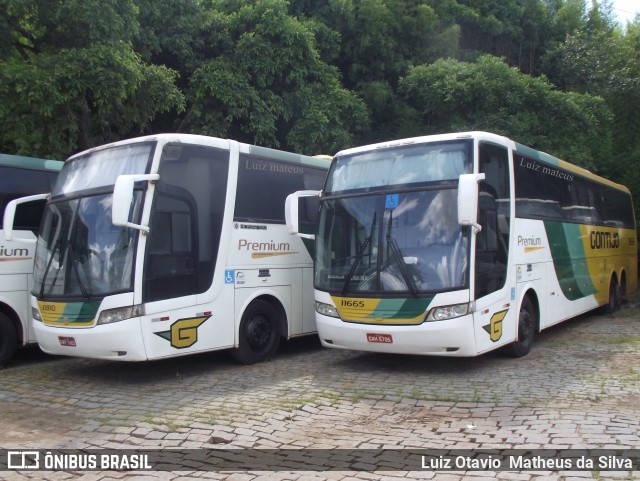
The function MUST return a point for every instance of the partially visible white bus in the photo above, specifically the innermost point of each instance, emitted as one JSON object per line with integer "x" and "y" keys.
{"x": 459, "y": 244}
{"x": 174, "y": 244}
{"x": 19, "y": 177}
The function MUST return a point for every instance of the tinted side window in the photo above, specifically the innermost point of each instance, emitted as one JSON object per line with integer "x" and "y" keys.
{"x": 263, "y": 186}
{"x": 186, "y": 221}
{"x": 542, "y": 191}
{"x": 549, "y": 193}
{"x": 28, "y": 216}
{"x": 618, "y": 209}
{"x": 494, "y": 212}
{"x": 15, "y": 183}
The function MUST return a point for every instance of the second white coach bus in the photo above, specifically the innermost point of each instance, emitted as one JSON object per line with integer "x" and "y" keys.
{"x": 458, "y": 244}
{"x": 20, "y": 176}
{"x": 174, "y": 244}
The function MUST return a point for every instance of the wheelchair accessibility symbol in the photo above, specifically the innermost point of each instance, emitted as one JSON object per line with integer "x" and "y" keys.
{"x": 392, "y": 201}
{"x": 229, "y": 277}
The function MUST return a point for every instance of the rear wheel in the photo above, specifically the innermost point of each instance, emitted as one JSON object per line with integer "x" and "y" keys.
{"x": 8, "y": 339}
{"x": 623, "y": 290}
{"x": 615, "y": 297}
{"x": 259, "y": 333}
{"x": 526, "y": 330}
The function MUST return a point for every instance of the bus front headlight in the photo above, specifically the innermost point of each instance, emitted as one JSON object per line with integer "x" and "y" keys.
{"x": 326, "y": 309}
{"x": 448, "y": 312}
{"x": 118, "y": 314}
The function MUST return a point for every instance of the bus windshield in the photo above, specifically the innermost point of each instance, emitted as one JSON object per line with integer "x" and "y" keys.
{"x": 402, "y": 242}
{"x": 388, "y": 221}
{"x": 79, "y": 251}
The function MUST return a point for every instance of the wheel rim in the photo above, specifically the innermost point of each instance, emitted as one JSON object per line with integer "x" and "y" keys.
{"x": 259, "y": 332}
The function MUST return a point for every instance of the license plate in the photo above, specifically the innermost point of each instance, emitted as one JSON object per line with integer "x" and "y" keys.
{"x": 380, "y": 338}
{"x": 67, "y": 341}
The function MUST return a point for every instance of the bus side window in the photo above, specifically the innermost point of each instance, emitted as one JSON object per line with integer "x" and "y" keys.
{"x": 494, "y": 210}
{"x": 16, "y": 183}
{"x": 28, "y": 216}
{"x": 171, "y": 259}
{"x": 186, "y": 221}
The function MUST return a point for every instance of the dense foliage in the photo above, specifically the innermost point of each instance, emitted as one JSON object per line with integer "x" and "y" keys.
{"x": 316, "y": 76}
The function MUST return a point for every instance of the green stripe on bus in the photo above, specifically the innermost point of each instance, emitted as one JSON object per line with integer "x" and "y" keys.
{"x": 569, "y": 260}
{"x": 401, "y": 308}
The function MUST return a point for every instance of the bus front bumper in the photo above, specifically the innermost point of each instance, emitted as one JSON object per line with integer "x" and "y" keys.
{"x": 453, "y": 337}
{"x": 119, "y": 341}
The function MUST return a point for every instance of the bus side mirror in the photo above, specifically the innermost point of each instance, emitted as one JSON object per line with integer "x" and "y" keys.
{"x": 10, "y": 214}
{"x": 123, "y": 197}
{"x": 468, "y": 200}
{"x": 292, "y": 214}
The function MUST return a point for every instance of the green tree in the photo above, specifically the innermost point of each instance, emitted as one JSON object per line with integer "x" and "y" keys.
{"x": 70, "y": 79}
{"x": 173, "y": 33}
{"x": 267, "y": 83}
{"x": 605, "y": 63}
{"x": 569, "y": 17}
{"x": 450, "y": 95}
{"x": 378, "y": 41}
{"x": 381, "y": 38}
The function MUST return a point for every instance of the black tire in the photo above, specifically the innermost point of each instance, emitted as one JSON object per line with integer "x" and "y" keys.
{"x": 624, "y": 298}
{"x": 526, "y": 330}
{"x": 8, "y": 339}
{"x": 259, "y": 333}
{"x": 615, "y": 297}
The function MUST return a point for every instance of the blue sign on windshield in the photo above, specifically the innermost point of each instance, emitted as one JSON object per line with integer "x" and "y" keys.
{"x": 392, "y": 201}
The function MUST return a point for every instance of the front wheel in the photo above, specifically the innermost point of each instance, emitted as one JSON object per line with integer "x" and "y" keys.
{"x": 8, "y": 339}
{"x": 259, "y": 333}
{"x": 526, "y": 330}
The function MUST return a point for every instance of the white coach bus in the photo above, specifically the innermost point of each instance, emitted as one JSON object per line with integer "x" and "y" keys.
{"x": 20, "y": 176}
{"x": 458, "y": 244}
{"x": 174, "y": 244}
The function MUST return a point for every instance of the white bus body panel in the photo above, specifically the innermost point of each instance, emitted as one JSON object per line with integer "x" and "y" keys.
{"x": 16, "y": 257}
{"x": 441, "y": 338}
{"x": 535, "y": 271}
{"x": 118, "y": 341}
{"x": 180, "y": 326}
{"x": 254, "y": 259}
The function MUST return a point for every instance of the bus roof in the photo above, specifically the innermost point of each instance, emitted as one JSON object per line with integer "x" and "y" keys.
{"x": 576, "y": 169}
{"x": 32, "y": 163}
{"x": 488, "y": 136}
{"x": 265, "y": 152}
{"x": 273, "y": 154}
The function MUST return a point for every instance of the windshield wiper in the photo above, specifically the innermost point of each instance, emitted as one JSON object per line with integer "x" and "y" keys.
{"x": 360, "y": 255}
{"x": 56, "y": 248}
{"x": 397, "y": 254}
{"x": 74, "y": 262}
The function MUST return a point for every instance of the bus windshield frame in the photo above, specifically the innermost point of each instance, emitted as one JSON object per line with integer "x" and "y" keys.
{"x": 80, "y": 253}
{"x": 400, "y": 166}
{"x": 388, "y": 222}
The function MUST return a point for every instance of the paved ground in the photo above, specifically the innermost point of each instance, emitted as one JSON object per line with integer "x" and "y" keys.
{"x": 579, "y": 388}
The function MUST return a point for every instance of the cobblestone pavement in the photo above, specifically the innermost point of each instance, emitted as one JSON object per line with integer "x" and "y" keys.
{"x": 579, "y": 388}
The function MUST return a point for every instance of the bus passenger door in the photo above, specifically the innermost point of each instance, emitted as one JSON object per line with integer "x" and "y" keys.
{"x": 496, "y": 308}
{"x": 181, "y": 253}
